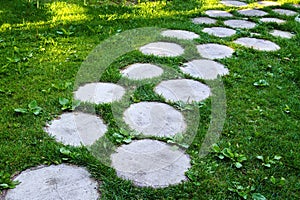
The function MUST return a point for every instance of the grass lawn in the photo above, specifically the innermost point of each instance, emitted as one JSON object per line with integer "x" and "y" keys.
{"x": 42, "y": 49}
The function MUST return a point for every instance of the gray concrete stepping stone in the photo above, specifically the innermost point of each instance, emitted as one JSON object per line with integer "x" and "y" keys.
{"x": 219, "y": 31}
{"x": 282, "y": 34}
{"x": 184, "y": 90}
{"x": 234, "y": 3}
{"x": 140, "y": 71}
{"x": 285, "y": 12}
{"x": 236, "y": 23}
{"x": 99, "y": 93}
{"x": 203, "y": 20}
{"x": 180, "y": 34}
{"x": 252, "y": 12}
{"x": 154, "y": 119}
{"x": 218, "y": 13}
{"x": 268, "y": 3}
{"x": 151, "y": 163}
{"x": 272, "y": 20}
{"x": 205, "y": 69}
{"x": 162, "y": 49}
{"x": 54, "y": 182}
{"x": 296, "y": 5}
{"x": 76, "y": 128}
{"x": 258, "y": 44}
{"x": 214, "y": 51}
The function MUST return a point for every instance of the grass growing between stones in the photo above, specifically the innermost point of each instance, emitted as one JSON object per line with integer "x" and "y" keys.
{"x": 43, "y": 48}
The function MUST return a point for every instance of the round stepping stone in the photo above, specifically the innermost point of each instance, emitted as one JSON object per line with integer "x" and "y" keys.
{"x": 258, "y": 44}
{"x": 99, "y": 93}
{"x": 234, "y": 3}
{"x": 140, "y": 71}
{"x": 162, "y": 49}
{"x": 151, "y": 163}
{"x": 218, "y": 13}
{"x": 239, "y": 24}
{"x": 219, "y": 31}
{"x": 214, "y": 51}
{"x": 252, "y": 13}
{"x": 184, "y": 90}
{"x": 154, "y": 119}
{"x": 282, "y": 34}
{"x": 180, "y": 34}
{"x": 268, "y": 3}
{"x": 204, "y": 20}
{"x": 272, "y": 20}
{"x": 77, "y": 128}
{"x": 285, "y": 12}
{"x": 54, "y": 182}
{"x": 205, "y": 69}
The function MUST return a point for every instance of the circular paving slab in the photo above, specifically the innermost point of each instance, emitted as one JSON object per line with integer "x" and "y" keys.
{"x": 54, "y": 182}
{"x": 151, "y": 163}
{"x": 258, "y": 44}
{"x": 235, "y": 23}
{"x": 205, "y": 69}
{"x": 184, "y": 90}
{"x": 268, "y": 3}
{"x": 180, "y": 34}
{"x": 234, "y": 3}
{"x": 203, "y": 20}
{"x": 99, "y": 93}
{"x": 139, "y": 71}
{"x": 285, "y": 12}
{"x": 252, "y": 13}
{"x": 77, "y": 128}
{"x": 218, "y": 13}
{"x": 154, "y": 119}
{"x": 162, "y": 49}
{"x": 219, "y": 31}
{"x": 272, "y": 20}
{"x": 282, "y": 34}
{"x": 214, "y": 51}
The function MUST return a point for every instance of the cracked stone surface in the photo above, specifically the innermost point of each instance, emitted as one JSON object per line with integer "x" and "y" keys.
{"x": 218, "y": 13}
{"x": 285, "y": 12}
{"x": 272, "y": 20}
{"x": 235, "y": 23}
{"x": 258, "y": 44}
{"x": 180, "y": 34}
{"x": 151, "y": 163}
{"x": 54, "y": 182}
{"x": 185, "y": 90}
{"x": 162, "y": 49}
{"x": 140, "y": 71}
{"x": 76, "y": 128}
{"x": 268, "y": 3}
{"x": 205, "y": 69}
{"x": 282, "y": 34}
{"x": 252, "y": 13}
{"x": 203, "y": 20}
{"x": 219, "y": 31}
{"x": 154, "y": 119}
{"x": 214, "y": 51}
{"x": 234, "y": 3}
{"x": 99, "y": 93}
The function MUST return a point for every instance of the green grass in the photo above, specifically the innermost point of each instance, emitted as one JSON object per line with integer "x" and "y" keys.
{"x": 43, "y": 48}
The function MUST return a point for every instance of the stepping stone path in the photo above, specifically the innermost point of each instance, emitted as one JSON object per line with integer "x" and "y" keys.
{"x": 214, "y": 51}
{"x": 77, "y": 128}
{"x": 179, "y": 34}
{"x": 204, "y": 69}
{"x": 151, "y": 163}
{"x": 99, "y": 93}
{"x": 234, "y": 3}
{"x": 282, "y": 34}
{"x": 236, "y": 23}
{"x": 203, "y": 20}
{"x": 140, "y": 71}
{"x": 218, "y": 13}
{"x": 219, "y": 31}
{"x": 154, "y": 119}
{"x": 162, "y": 49}
{"x": 54, "y": 182}
{"x": 252, "y": 13}
{"x": 258, "y": 44}
{"x": 272, "y": 20}
{"x": 285, "y": 12}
